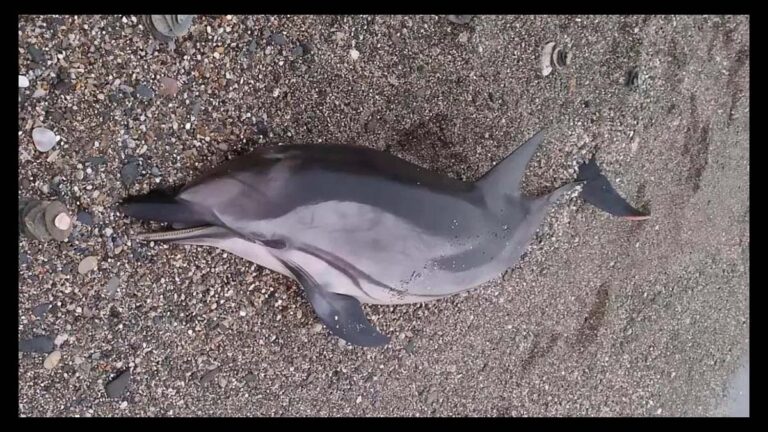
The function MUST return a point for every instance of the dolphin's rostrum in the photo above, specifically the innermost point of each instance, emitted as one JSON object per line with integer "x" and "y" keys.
{"x": 355, "y": 225}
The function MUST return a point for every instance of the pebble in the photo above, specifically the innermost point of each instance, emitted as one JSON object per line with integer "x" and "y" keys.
{"x": 460, "y": 19}
{"x": 317, "y": 328}
{"x": 297, "y": 51}
{"x": 87, "y": 264}
{"x": 117, "y": 386}
{"x": 464, "y": 37}
{"x": 85, "y": 218}
{"x": 62, "y": 221}
{"x": 144, "y": 92}
{"x": 354, "y": 54}
{"x": 37, "y": 55}
{"x": 44, "y": 139}
{"x": 251, "y": 378}
{"x": 126, "y": 88}
{"x": 156, "y": 171}
{"x": 39, "y": 93}
{"x": 38, "y": 344}
{"x": 168, "y": 87}
{"x": 23, "y": 81}
{"x": 52, "y": 360}
{"x": 277, "y": 39}
{"x": 23, "y": 258}
{"x": 112, "y": 286}
{"x": 129, "y": 173}
{"x": 60, "y": 339}
{"x": 359, "y": 399}
{"x": 40, "y": 310}
{"x": 208, "y": 376}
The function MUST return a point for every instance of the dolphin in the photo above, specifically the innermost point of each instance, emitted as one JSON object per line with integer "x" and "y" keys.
{"x": 353, "y": 225}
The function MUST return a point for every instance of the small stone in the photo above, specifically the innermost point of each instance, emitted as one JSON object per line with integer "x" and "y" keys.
{"x": 277, "y": 39}
{"x": 155, "y": 171}
{"x": 359, "y": 399}
{"x": 62, "y": 221}
{"x": 168, "y": 87}
{"x": 85, "y": 218}
{"x": 38, "y": 344}
{"x": 372, "y": 126}
{"x": 44, "y": 139}
{"x": 112, "y": 286}
{"x": 208, "y": 376}
{"x": 317, "y": 328}
{"x": 432, "y": 397}
{"x": 39, "y": 93}
{"x": 144, "y": 92}
{"x": 354, "y": 54}
{"x": 251, "y": 378}
{"x": 37, "y": 55}
{"x": 40, "y": 310}
{"x": 126, "y": 88}
{"x": 52, "y": 360}
{"x": 129, "y": 173}
{"x": 123, "y": 404}
{"x": 60, "y": 339}
{"x": 23, "y": 81}
{"x": 253, "y": 46}
{"x": 117, "y": 386}
{"x": 87, "y": 264}
{"x": 464, "y": 37}
{"x": 459, "y": 19}
{"x": 297, "y": 51}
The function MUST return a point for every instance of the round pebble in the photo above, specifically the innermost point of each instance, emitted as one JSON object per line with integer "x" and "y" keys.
{"x": 52, "y": 360}
{"x": 62, "y": 221}
{"x": 23, "y": 81}
{"x": 87, "y": 264}
{"x": 44, "y": 139}
{"x": 355, "y": 54}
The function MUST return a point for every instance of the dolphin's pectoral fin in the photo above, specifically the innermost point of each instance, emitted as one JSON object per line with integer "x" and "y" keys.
{"x": 599, "y": 192}
{"x": 342, "y": 314}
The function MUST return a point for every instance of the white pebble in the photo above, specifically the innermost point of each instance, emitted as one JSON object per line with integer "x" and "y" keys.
{"x": 60, "y": 339}
{"x": 23, "y": 81}
{"x": 52, "y": 360}
{"x": 44, "y": 139}
{"x": 354, "y": 54}
{"x": 39, "y": 93}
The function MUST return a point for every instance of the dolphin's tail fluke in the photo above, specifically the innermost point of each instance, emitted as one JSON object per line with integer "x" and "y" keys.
{"x": 599, "y": 192}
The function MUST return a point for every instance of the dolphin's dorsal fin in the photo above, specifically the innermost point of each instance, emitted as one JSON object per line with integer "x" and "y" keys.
{"x": 506, "y": 176}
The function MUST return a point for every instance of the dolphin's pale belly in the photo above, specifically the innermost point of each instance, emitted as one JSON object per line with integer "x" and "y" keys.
{"x": 377, "y": 257}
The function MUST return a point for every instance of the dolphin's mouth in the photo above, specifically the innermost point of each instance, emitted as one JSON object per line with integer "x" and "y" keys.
{"x": 170, "y": 235}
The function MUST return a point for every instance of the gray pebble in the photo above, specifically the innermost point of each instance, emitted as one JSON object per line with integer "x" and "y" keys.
{"x": 40, "y": 310}
{"x": 85, "y": 218}
{"x": 23, "y": 259}
{"x": 460, "y": 19}
{"x": 126, "y": 88}
{"x": 37, "y": 55}
{"x": 251, "y": 378}
{"x": 277, "y": 39}
{"x": 156, "y": 172}
{"x": 112, "y": 286}
{"x": 129, "y": 173}
{"x": 253, "y": 46}
{"x": 117, "y": 386}
{"x": 38, "y": 344}
{"x": 297, "y": 51}
{"x": 144, "y": 92}
{"x": 208, "y": 376}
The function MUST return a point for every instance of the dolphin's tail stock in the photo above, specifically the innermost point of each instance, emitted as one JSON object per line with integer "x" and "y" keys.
{"x": 599, "y": 192}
